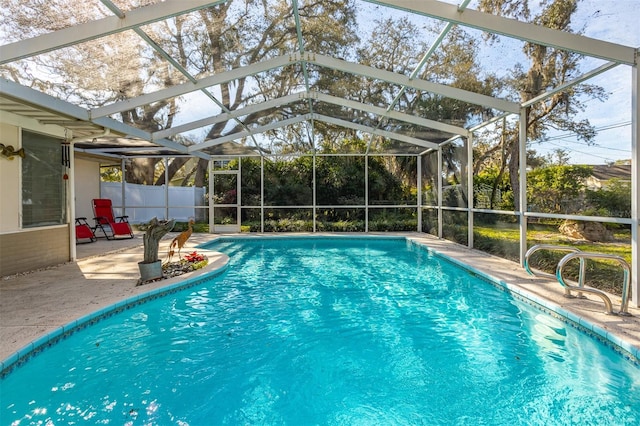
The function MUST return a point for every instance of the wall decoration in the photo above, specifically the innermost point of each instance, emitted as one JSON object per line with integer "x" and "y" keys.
{"x": 9, "y": 151}
{"x": 66, "y": 155}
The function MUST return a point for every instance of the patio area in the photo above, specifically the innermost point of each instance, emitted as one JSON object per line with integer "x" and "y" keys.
{"x": 35, "y": 303}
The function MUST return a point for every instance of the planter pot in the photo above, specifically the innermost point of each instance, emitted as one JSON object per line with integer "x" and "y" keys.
{"x": 150, "y": 271}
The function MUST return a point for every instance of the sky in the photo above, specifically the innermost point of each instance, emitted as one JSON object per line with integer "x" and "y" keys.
{"x": 610, "y": 20}
{"x": 614, "y": 21}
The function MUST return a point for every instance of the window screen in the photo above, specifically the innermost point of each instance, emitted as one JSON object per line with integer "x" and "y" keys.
{"x": 43, "y": 186}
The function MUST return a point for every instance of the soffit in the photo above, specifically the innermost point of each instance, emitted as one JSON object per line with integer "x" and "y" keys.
{"x": 77, "y": 128}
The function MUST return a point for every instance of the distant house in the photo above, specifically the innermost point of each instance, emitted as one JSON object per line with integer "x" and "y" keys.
{"x": 603, "y": 173}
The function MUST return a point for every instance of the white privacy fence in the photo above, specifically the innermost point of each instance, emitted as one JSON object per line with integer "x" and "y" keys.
{"x": 144, "y": 202}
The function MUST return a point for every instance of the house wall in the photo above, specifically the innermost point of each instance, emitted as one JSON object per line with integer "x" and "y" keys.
{"x": 25, "y": 249}
{"x": 9, "y": 181}
{"x": 34, "y": 248}
{"x": 87, "y": 187}
{"x": 593, "y": 184}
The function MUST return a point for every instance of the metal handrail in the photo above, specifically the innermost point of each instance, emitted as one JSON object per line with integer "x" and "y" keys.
{"x": 626, "y": 293}
{"x": 538, "y": 273}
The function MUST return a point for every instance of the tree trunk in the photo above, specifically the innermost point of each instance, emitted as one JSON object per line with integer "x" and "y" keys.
{"x": 156, "y": 230}
{"x": 141, "y": 170}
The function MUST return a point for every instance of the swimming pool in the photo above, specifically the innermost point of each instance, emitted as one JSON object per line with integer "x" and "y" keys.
{"x": 328, "y": 331}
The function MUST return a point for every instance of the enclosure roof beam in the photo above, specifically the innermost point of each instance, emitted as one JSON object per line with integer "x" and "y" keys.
{"x": 240, "y": 135}
{"x": 97, "y": 152}
{"x": 601, "y": 69}
{"x": 435, "y": 45}
{"x": 407, "y": 118}
{"x": 517, "y": 29}
{"x": 181, "y": 89}
{"x": 305, "y": 67}
{"x": 403, "y": 80}
{"x": 317, "y": 59}
{"x": 371, "y": 130}
{"x": 128, "y": 149}
{"x": 313, "y": 95}
{"x": 250, "y": 109}
{"x": 490, "y": 121}
{"x": 130, "y": 131}
{"x": 29, "y": 96}
{"x": 99, "y": 28}
{"x": 155, "y": 46}
{"x": 580, "y": 79}
{"x": 282, "y": 123}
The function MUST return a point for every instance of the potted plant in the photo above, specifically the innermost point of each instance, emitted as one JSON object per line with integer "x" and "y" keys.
{"x": 151, "y": 266}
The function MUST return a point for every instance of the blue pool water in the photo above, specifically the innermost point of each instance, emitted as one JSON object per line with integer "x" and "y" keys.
{"x": 327, "y": 331}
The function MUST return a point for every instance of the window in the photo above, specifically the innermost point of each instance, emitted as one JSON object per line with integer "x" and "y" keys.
{"x": 43, "y": 187}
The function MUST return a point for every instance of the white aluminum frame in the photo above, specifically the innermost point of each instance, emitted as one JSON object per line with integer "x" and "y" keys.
{"x": 70, "y": 116}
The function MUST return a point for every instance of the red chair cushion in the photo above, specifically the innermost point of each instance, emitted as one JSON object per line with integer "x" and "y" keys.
{"x": 120, "y": 228}
{"x": 83, "y": 231}
{"x": 102, "y": 207}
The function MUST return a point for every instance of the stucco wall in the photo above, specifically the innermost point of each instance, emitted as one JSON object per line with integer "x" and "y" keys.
{"x": 87, "y": 187}
{"x": 9, "y": 181}
{"x": 32, "y": 249}
{"x": 25, "y": 249}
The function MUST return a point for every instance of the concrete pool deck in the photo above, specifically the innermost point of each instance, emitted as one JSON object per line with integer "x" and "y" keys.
{"x": 38, "y": 302}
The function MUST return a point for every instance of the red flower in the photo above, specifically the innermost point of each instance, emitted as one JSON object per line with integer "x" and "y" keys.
{"x": 194, "y": 257}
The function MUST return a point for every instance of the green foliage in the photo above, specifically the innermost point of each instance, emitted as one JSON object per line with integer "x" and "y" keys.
{"x": 497, "y": 243}
{"x": 288, "y": 225}
{"x": 250, "y": 178}
{"x": 289, "y": 182}
{"x": 335, "y": 220}
{"x": 455, "y": 226}
{"x": 341, "y": 226}
{"x": 349, "y": 145}
{"x": 456, "y": 233}
{"x": 492, "y": 187}
{"x": 488, "y": 176}
{"x": 393, "y": 224}
{"x": 197, "y": 227}
{"x": 547, "y": 68}
{"x": 384, "y": 186}
{"x": 613, "y": 201}
{"x": 392, "y": 220}
{"x": 340, "y": 180}
{"x": 558, "y": 189}
{"x": 548, "y": 188}
{"x": 111, "y": 174}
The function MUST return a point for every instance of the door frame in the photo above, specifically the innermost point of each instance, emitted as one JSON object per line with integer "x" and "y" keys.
{"x": 212, "y": 204}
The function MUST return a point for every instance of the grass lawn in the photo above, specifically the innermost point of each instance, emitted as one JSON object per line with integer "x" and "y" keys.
{"x": 606, "y": 275}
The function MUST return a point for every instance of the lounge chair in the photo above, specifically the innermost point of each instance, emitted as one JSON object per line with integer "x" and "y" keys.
{"x": 84, "y": 231}
{"x": 110, "y": 225}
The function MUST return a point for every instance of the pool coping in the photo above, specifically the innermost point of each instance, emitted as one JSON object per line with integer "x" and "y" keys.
{"x": 611, "y": 339}
{"x": 217, "y": 266}
{"x": 459, "y": 255}
{"x": 587, "y": 315}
